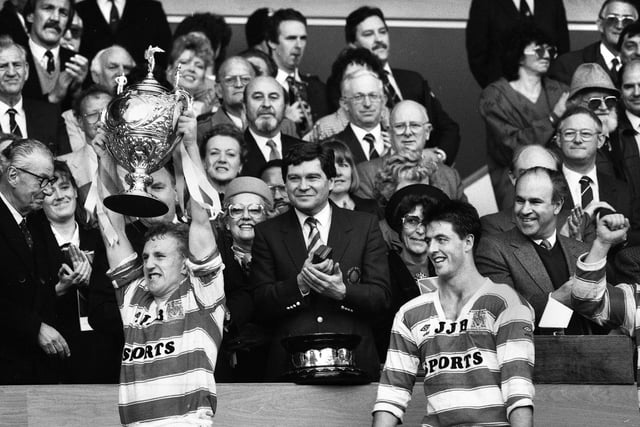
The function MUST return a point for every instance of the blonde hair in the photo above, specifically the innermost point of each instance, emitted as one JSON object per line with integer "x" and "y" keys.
{"x": 417, "y": 170}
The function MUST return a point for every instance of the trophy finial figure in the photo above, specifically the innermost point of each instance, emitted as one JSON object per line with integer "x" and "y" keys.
{"x": 121, "y": 81}
{"x": 149, "y": 55}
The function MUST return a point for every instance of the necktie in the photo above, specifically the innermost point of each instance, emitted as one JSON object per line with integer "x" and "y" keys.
{"x": 525, "y": 12}
{"x": 545, "y": 244}
{"x": 392, "y": 96}
{"x": 274, "y": 155}
{"x": 373, "y": 154}
{"x": 586, "y": 191}
{"x": 614, "y": 64}
{"x": 314, "y": 234}
{"x": 291, "y": 81}
{"x": 51, "y": 65}
{"x": 13, "y": 125}
{"x": 114, "y": 17}
{"x": 26, "y": 233}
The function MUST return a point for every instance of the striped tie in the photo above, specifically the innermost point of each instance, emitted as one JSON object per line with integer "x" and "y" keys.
{"x": 370, "y": 139}
{"x": 314, "y": 234}
{"x": 13, "y": 125}
{"x": 546, "y": 244}
{"x": 586, "y": 191}
{"x": 392, "y": 96}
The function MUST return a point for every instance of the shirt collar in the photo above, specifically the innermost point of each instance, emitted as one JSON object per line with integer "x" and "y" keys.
{"x": 360, "y": 133}
{"x": 282, "y": 75}
{"x": 634, "y": 120}
{"x": 38, "y": 51}
{"x": 551, "y": 239}
{"x": 573, "y": 176}
{"x": 18, "y": 107}
{"x": 14, "y": 212}
{"x": 607, "y": 55}
{"x": 262, "y": 141}
{"x": 75, "y": 238}
{"x": 323, "y": 217}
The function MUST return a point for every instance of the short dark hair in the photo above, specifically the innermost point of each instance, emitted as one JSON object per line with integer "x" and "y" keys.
{"x": 348, "y": 56}
{"x": 30, "y": 8}
{"x": 356, "y": 17}
{"x": 406, "y": 205}
{"x": 515, "y": 42}
{"x": 558, "y": 182}
{"x": 279, "y": 16}
{"x": 275, "y": 163}
{"x": 255, "y": 30}
{"x": 462, "y": 216}
{"x": 307, "y": 152}
{"x": 623, "y": 69}
{"x": 213, "y": 26}
{"x": 225, "y": 129}
{"x": 255, "y": 53}
{"x": 93, "y": 90}
{"x": 628, "y": 31}
{"x": 608, "y": 2}
{"x": 180, "y": 232}
{"x": 63, "y": 170}
{"x": 574, "y": 111}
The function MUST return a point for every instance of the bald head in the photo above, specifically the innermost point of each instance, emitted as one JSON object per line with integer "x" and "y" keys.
{"x": 110, "y": 63}
{"x": 532, "y": 156}
{"x": 410, "y": 126}
{"x": 233, "y": 76}
{"x": 264, "y": 100}
{"x": 630, "y": 86}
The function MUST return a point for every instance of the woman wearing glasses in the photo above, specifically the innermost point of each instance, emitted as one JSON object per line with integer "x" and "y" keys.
{"x": 409, "y": 264}
{"x": 522, "y": 107}
{"x": 246, "y": 204}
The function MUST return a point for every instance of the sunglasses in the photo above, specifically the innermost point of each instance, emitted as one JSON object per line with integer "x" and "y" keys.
{"x": 595, "y": 103}
{"x": 617, "y": 20}
{"x": 541, "y": 51}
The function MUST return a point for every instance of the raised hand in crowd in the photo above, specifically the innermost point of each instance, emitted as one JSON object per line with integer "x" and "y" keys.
{"x": 76, "y": 274}
{"x": 74, "y": 73}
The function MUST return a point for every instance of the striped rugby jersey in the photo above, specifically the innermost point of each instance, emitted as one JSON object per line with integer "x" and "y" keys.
{"x": 170, "y": 352}
{"x": 614, "y": 306}
{"x": 478, "y": 368}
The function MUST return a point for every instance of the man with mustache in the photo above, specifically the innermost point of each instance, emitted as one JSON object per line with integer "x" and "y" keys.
{"x": 57, "y": 73}
{"x": 534, "y": 258}
{"x": 264, "y": 103}
{"x": 287, "y": 39}
{"x": 30, "y": 268}
{"x": 367, "y": 28}
{"x": 271, "y": 174}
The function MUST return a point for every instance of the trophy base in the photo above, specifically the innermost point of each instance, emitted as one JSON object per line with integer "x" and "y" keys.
{"x": 328, "y": 375}
{"x": 136, "y": 203}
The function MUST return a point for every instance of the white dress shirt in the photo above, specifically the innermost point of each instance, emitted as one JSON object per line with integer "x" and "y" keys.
{"x": 573, "y": 179}
{"x": 262, "y": 144}
{"x": 551, "y": 239}
{"x": 530, "y": 3}
{"x": 323, "y": 222}
{"x": 105, "y": 8}
{"x": 608, "y": 57}
{"x": 21, "y": 119}
{"x": 377, "y": 134}
{"x": 38, "y": 53}
{"x": 282, "y": 75}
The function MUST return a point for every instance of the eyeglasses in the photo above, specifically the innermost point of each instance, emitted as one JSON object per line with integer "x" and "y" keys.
{"x": 360, "y": 97}
{"x": 410, "y": 223}
{"x": 255, "y": 211}
{"x": 231, "y": 81}
{"x": 92, "y": 118}
{"x": 618, "y": 20}
{"x": 570, "y": 135}
{"x": 414, "y": 127}
{"x": 595, "y": 103}
{"x": 540, "y": 51}
{"x": 43, "y": 181}
{"x": 277, "y": 189}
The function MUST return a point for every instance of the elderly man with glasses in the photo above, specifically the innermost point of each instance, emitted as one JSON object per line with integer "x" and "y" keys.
{"x": 30, "y": 271}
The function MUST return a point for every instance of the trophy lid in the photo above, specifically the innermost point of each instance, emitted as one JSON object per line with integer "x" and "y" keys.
{"x": 149, "y": 83}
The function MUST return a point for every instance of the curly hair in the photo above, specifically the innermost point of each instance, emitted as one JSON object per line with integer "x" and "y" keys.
{"x": 516, "y": 40}
{"x": 415, "y": 167}
{"x": 196, "y": 42}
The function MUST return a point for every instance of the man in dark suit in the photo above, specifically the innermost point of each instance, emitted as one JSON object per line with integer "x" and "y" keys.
{"x": 12, "y": 21}
{"x": 489, "y": 22}
{"x": 264, "y": 100}
{"x": 533, "y": 257}
{"x": 344, "y": 294}
{"x": 56, "y": 72}
{"x": 366, "y": 28}
{"x": 614, "y": 15}
{"x": 363, "y": 100}
{"x": 30, "y": 268}
{"x": 625, "y": 139}
{"x": 307, "y": 95}
{"x": 22, "y": 116}
{"x": 134, "y": 25}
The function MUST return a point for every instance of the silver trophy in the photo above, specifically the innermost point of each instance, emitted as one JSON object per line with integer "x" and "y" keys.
{"x": 141, "y": 133}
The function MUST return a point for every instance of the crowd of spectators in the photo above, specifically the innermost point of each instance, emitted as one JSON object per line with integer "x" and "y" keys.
{"x": 364, "y": 164}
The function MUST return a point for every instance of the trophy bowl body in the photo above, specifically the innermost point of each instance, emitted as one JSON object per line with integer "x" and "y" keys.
{"x": 141, "y": 134}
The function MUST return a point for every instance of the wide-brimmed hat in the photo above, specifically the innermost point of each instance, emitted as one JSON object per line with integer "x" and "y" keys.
{"x": 591, "y": 76}
{"x": 391, "y": 210}
{"x": 248, "y": 184}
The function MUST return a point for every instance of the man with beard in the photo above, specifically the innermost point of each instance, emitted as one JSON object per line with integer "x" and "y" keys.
{"x": 264, "y": 102}
{"x": 30, "y": 271}
{"x": 56, "y": 72}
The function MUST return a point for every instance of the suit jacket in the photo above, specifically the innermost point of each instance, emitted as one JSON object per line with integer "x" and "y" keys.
{"x": 27, "y": 298}
{"x": 143, "y": 23}
{"x": 349, "y": 138}
{"x": 625, "y": 154}
{"x": 491, "y": 20}
{"x": 278, "y": 254}
{"x": 10, "y": 24}
{"x": 445, "y": 178}
{"x": 564, "y": 66}
{"x": 499, "y": 222}
{"x": 255, "y": 159}
{"x": 510, "y": 258}
{"x": 45, "y": 123}
{"x": 206, "y": 122}
{"x": 446, "y": 132}
{"x": 33, "y": 89}
{"x": 316, "y": 95}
